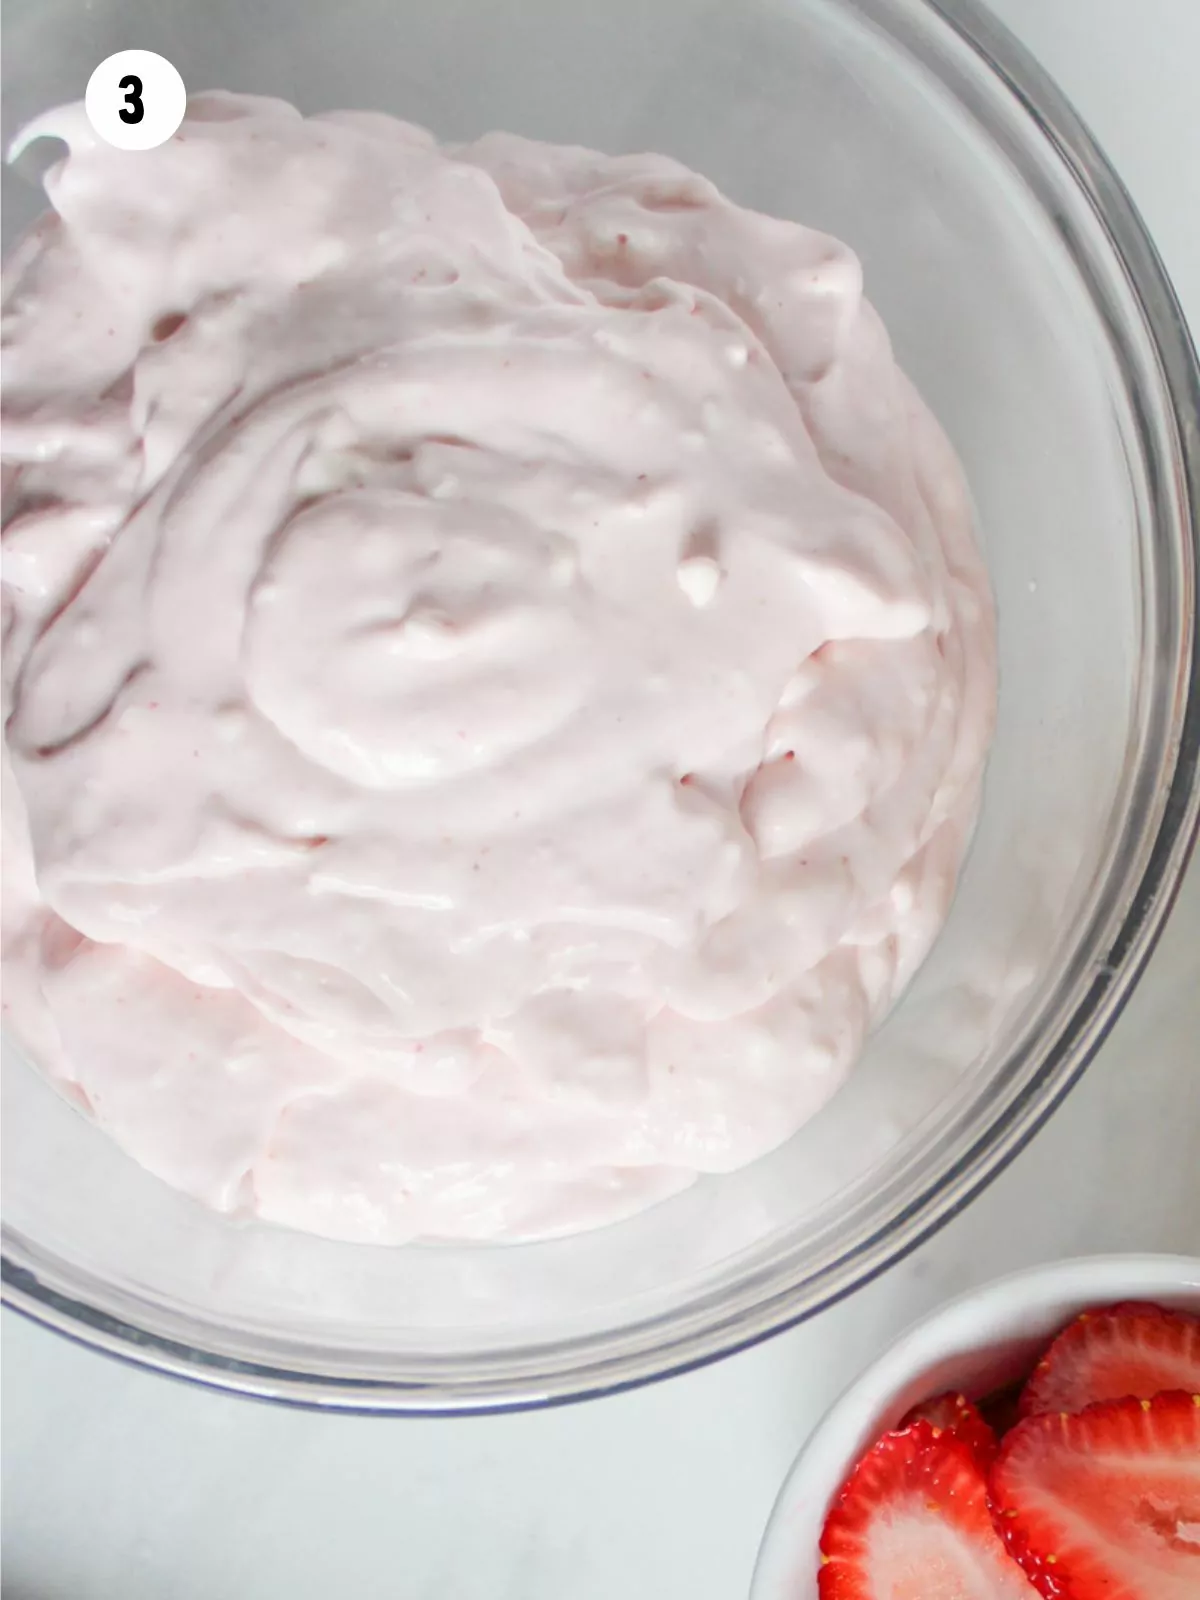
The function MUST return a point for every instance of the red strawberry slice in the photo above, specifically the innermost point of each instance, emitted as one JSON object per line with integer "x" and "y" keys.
{"x": 956, "y": 1414}
{"x": 913, "y": 1523}
{"x": 1128, "y": 1349}
{"x": 1106, "y": 1505}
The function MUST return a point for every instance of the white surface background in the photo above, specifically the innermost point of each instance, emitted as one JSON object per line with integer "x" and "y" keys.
{"x": 122, "y": 1486}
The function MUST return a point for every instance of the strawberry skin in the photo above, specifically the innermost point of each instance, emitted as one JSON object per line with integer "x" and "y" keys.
{"x": 956, "y": 1414}
{"x": 1129, "y": 1349}
{"x": 1105, "y": 1505}
{"x": 913, "y": 1522}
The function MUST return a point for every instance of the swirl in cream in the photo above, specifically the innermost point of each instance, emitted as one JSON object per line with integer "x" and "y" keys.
{"x": 497, "y": 669}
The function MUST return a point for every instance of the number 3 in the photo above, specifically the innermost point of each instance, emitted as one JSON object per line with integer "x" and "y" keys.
{"x": 133, "y": 110}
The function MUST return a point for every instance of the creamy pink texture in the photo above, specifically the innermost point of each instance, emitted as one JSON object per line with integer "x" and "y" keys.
{"x": 497, "y": 670}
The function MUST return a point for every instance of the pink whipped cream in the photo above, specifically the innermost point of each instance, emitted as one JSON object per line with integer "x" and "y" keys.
{"x": 497, "y": 670}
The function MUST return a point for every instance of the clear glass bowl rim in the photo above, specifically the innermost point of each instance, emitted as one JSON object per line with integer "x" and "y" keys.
{"x": 708, "y": 1338}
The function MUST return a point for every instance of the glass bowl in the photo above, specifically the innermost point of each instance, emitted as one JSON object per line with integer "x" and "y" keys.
{"x": 1026, "y": 301}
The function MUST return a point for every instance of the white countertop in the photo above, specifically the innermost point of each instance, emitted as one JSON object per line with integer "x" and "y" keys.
{"x": 123, "y": 1486}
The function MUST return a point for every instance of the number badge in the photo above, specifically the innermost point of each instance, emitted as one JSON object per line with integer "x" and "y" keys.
{"x": 135, "y": 100}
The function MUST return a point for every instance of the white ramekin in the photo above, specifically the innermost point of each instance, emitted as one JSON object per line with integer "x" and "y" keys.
{"x": 979, "y": 1342}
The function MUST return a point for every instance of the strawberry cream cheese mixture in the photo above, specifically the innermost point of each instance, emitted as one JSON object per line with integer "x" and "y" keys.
{"x": 497, "y": 670}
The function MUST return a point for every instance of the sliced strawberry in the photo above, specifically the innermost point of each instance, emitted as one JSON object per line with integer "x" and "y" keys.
{"x": 1129, "y": 1349}
{"x": 913, "y": 1523}
{"x": 1105, "y": 1505}
{"x": 956, "y": 1414}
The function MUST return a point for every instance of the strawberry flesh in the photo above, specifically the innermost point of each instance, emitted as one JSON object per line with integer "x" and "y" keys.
{"x": 1129, "y": 1349}
{"x": 913, "y": 1522}
{"x": 1105, "y": 1505}
{"x": 956, "y": 1414}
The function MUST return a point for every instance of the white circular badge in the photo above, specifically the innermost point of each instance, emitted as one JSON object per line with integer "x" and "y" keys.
{"x": 135, "y": 100}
